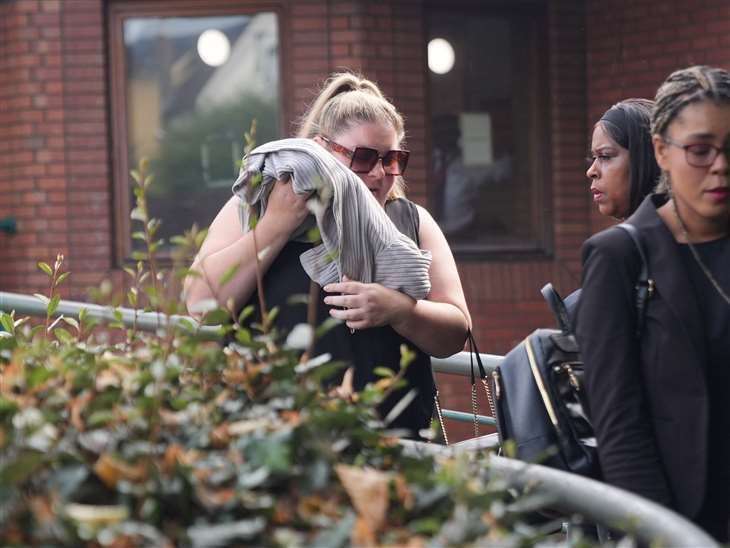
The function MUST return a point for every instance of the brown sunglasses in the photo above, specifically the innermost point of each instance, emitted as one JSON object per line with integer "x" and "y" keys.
{"x": 363, "y": 159}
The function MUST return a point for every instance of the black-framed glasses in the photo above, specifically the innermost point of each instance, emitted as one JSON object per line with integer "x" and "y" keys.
{"x": 700, "y": 154}
{"x": 363, "y": 159}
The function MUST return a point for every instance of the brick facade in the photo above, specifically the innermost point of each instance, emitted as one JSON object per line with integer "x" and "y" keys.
{"x": 56, "y": 150}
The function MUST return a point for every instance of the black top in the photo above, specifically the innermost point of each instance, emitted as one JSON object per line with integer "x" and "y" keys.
{"x": 365, "y": 349}
{"x": 715, "y": 255}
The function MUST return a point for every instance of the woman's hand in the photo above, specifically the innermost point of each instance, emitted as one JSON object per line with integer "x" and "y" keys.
{"x": 367, "y": 305}
{"x": 285, "y": 209}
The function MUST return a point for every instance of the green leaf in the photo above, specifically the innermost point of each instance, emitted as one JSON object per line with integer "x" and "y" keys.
{"x": 384, "y": 372}
{"x": 45, "y": 267}
{"x": 62, "y": 278}
{"x": 100, "y": 418}
{"x": 136, "y": 176}
{"x": 216, "y": 316}
{"x": 138, "y": 235}
{"x": 72, "y": 322}
{"x": 22, "y": 468}
{"x": 243, "y": 336}
{"x": 42, "y": 298}
{"x": 137, "y": 214}
{"x": 325, "y": 326}
{"x": 229, "y": 274}
{"x": 245, "y": 313}
{"x": 7, "y": 322}
{"x": 62, "y": 335}
{"x": 53, "y": 304}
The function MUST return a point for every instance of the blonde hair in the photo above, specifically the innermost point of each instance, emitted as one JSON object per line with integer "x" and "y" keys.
{"x": 348, "y": 99}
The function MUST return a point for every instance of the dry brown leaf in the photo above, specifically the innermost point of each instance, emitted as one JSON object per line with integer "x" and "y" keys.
{"x": 220, "y": 436}
{"x": 362, "y": 533}
{"x": 42, "y": 510}
{"x": 403, "y": 492}
{"x": 213, "y": 499}
{"x": 106, "y": 378}
{"x": 368, "y": 491}
{"x": 241, "y": 428}
{"x": 110, "y": 470}
{"x": 314, "y": 505}
{"x": 292, "y": 418}
{"x": 173, "y": 456}
{"x": 77, "y": 406}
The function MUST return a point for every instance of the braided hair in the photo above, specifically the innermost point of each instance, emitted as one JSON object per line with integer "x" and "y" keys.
{"x": 681, "y": 88}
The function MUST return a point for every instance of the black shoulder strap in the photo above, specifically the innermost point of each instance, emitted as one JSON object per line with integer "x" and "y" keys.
{"x": 645, "y": 284}
{"x": 558, "y": 307}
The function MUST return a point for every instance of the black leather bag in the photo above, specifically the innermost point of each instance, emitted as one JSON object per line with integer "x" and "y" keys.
{"x": 539, "y": 398}
{"x": 538, "y": 389}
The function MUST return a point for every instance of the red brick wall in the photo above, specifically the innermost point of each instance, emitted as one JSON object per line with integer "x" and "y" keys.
{"x": 54, "y": 171}
{"x": 633, "y": 46}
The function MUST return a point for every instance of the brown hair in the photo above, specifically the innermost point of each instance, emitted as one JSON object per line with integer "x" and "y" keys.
{"x": 347, "y": 99}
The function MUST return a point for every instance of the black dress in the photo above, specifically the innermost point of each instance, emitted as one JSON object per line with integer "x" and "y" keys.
{"x": 715, "y": 256}
{"x": 365, "y": 349}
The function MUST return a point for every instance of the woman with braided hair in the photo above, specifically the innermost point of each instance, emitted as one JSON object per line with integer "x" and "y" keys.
{"x": 659, "y": 389}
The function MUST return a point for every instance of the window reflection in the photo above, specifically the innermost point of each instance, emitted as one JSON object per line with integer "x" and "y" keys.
{"x": 486, "y": 176}
{"x": 193, "y": 86}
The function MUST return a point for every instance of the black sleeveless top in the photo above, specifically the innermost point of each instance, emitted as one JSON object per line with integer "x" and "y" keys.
{"x": 365, "y": 349}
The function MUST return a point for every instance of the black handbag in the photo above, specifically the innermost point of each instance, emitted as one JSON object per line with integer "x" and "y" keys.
{"x": 538, "y": 389}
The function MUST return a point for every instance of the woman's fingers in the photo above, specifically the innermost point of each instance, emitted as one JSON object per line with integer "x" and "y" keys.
{"x": 344, "y": 301}
{"x": 343, "y": 287}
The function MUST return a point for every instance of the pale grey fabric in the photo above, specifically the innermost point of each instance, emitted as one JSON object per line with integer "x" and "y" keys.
{"x": 358, "y": 238}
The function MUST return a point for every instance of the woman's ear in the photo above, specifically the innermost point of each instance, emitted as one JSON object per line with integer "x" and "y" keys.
{"x": 660, "y": 151}
{"x": 317, "y": 139}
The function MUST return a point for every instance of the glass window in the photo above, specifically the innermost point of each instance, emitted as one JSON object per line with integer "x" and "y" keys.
{"x": 488, "y": 137}
{"x": 192, "y": 86}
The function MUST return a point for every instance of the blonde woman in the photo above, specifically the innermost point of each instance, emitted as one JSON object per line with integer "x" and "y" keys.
{"x": 354, "y": 122}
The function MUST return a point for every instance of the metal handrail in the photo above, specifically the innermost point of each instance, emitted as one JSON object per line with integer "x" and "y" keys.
{"x": 144, "y": 321}
{"x": 573, "y": 494}
{"x": 603, "y": 503}
{"x": 458, "y": 364}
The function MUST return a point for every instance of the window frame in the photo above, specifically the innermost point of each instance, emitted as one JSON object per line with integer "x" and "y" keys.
{"x": 539, "y": 133}
{"x": 117, "y": 12}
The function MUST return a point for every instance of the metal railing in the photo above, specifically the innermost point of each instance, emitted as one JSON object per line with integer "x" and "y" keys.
{"x": 145, "y": 321}
{"x": 571, "y": 493}
{"x": 461, "y": 364}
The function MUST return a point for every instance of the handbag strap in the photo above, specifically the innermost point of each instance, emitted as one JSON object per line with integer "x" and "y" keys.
{"x": 475, "y": 357}
{"x": 645, "y": 284}
{"x": 437, "y": 403}
{"x": 557, "y": 305}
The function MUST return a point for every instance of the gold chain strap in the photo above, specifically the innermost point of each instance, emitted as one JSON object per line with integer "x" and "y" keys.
{"x": 490, "y": 399}
{"x": 437, "y": 402}
{"x": 475, "y": 409}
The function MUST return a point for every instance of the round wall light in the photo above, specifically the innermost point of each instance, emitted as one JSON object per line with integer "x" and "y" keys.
{"x": 440, "y": 56}
{"x": 213, "y": 47}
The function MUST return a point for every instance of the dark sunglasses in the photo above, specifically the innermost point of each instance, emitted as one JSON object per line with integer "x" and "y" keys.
{"x": 363, "y": 159}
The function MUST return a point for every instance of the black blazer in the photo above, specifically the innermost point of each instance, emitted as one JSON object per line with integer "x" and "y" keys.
{"x": 648, "y": 401}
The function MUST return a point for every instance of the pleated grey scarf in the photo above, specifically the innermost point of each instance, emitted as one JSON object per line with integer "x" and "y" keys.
{"x": 358, "y": 238}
